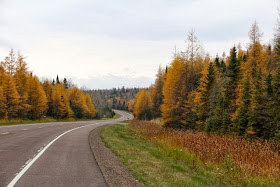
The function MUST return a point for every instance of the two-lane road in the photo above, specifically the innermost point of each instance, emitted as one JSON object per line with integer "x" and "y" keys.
{"x": 50, "y": 154}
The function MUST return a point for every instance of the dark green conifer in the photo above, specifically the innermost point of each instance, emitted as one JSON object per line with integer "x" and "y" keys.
{"x": 243, "y": 113}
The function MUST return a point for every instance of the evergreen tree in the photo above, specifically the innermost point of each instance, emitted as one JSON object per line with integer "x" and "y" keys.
{"x": 190, "y": 116}
{"x": 223, "y": 67}
{"x": 275, "y": 106}
{"x": 205, "y": 88}
{"x": 156, "y": 93}
{"x": 259, "y": 117}
{"x": 230, "y": 91}
{"x": 57, "y": 80}
{"x": 65, "y": 83}
{"x": 244, "y": 109}
{"x": 268, "y": 130}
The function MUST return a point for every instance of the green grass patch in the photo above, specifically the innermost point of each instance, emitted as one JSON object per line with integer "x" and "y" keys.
{"x": 116, "y": 116}
{"x": 157, "y": 120}
{"x": 46, "y": 120}
{"x": 160, "y": 165}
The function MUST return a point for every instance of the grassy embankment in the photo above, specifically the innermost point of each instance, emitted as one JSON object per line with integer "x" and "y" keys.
{"x": 164, "y": 157}
{"x": 47, "y": 120}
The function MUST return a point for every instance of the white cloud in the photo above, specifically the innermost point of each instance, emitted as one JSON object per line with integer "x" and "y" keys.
{"x": 127, "y": 39}
{"x": 113, "y": 81}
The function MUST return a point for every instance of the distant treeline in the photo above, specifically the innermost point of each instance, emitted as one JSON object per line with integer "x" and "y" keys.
{"x": 237, "y": 94}
{"x": 107, "y": 99}
{"x": 22, "y": 96}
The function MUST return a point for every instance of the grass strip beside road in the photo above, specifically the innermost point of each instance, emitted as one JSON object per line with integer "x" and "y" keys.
{"x": 48, "y": 120}
{"x": 161, "y": 165}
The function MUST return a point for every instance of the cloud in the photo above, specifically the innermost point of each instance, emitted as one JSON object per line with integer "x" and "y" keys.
{"x": 5, "y": 44}
{"x": 113, "y": 81}
{"x": 123, "y": 38}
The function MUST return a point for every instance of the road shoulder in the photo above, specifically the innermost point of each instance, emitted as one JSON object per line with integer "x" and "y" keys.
{"x": 114, "y": 172}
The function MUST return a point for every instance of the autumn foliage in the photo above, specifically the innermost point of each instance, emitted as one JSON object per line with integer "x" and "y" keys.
{"x": 143, "y": 104}
{"x": 235, "y": 94}
{"x": 23, "y": 96}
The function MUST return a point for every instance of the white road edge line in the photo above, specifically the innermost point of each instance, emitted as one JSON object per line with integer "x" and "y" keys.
{"x": 20, "y": 174}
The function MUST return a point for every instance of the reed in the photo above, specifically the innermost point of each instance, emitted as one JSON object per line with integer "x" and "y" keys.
{"x": 256, "y": 158}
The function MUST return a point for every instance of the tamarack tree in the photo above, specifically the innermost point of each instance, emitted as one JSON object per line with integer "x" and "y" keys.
{"x": 236, "y": 94}
{"x": 23, "y": 96}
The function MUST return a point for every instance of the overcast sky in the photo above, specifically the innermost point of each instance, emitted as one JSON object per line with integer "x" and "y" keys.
{"x": 115, "y": 43}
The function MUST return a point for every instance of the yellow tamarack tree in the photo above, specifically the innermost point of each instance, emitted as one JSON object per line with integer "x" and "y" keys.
{"x": 11, "y": 96}
{"x": 59, "y": 102}
{"x": 2, "y": 103}
{"x": 77, "y": 102}
{"x": 143, "y": 105}
{"x": 20, "y": 78}
{"x": 37, "y": 98}
{"x": 130, "y": 105}
{"x": 91, "y": 110}
{"x": 174, "y": 92}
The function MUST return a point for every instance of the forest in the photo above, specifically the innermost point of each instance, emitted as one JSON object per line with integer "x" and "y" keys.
{"x": 23, "y": 96}
{"x": 237, "y": 94}
{"x": 117, "y": 98}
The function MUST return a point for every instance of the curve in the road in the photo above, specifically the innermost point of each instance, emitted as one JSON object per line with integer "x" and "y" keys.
{"x": 61, "y": 154}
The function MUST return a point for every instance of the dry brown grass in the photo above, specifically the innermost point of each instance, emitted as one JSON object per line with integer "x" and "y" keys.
{"x": 255, "y": 158}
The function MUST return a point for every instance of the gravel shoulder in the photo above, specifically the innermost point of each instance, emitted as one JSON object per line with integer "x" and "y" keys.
{"x": 114, "y": 172}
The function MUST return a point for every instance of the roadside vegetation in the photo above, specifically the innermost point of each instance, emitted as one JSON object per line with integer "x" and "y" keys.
{"x": 164, "y": 157}
{"x": 48, "y": 120}
{"x": 23, "y": 97}
{"x": 45, "y": 120}
{"x": 235, "y": 93}
{"x": 215, "y": 120}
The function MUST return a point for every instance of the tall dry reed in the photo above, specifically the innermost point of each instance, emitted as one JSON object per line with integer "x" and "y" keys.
{"x": 256, "y": 158}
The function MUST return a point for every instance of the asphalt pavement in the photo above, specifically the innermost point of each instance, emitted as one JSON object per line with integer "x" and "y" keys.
{"x": 50, "y": 154}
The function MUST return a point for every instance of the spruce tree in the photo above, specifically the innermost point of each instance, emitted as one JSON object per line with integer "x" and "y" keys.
{"x": 57, "y": 80}
{"x": 268, "y": 131}
{"x": 259, "y": 117}
{"x": 156, "y": 93}
{"x": 65, "y": 83}
{"x": 205, "y": 88}
{"x": 217, "y": 62}
{"x": 276, "y": 105}
{"x": 244, "y": 110}
{"x": 230, "y": 90}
